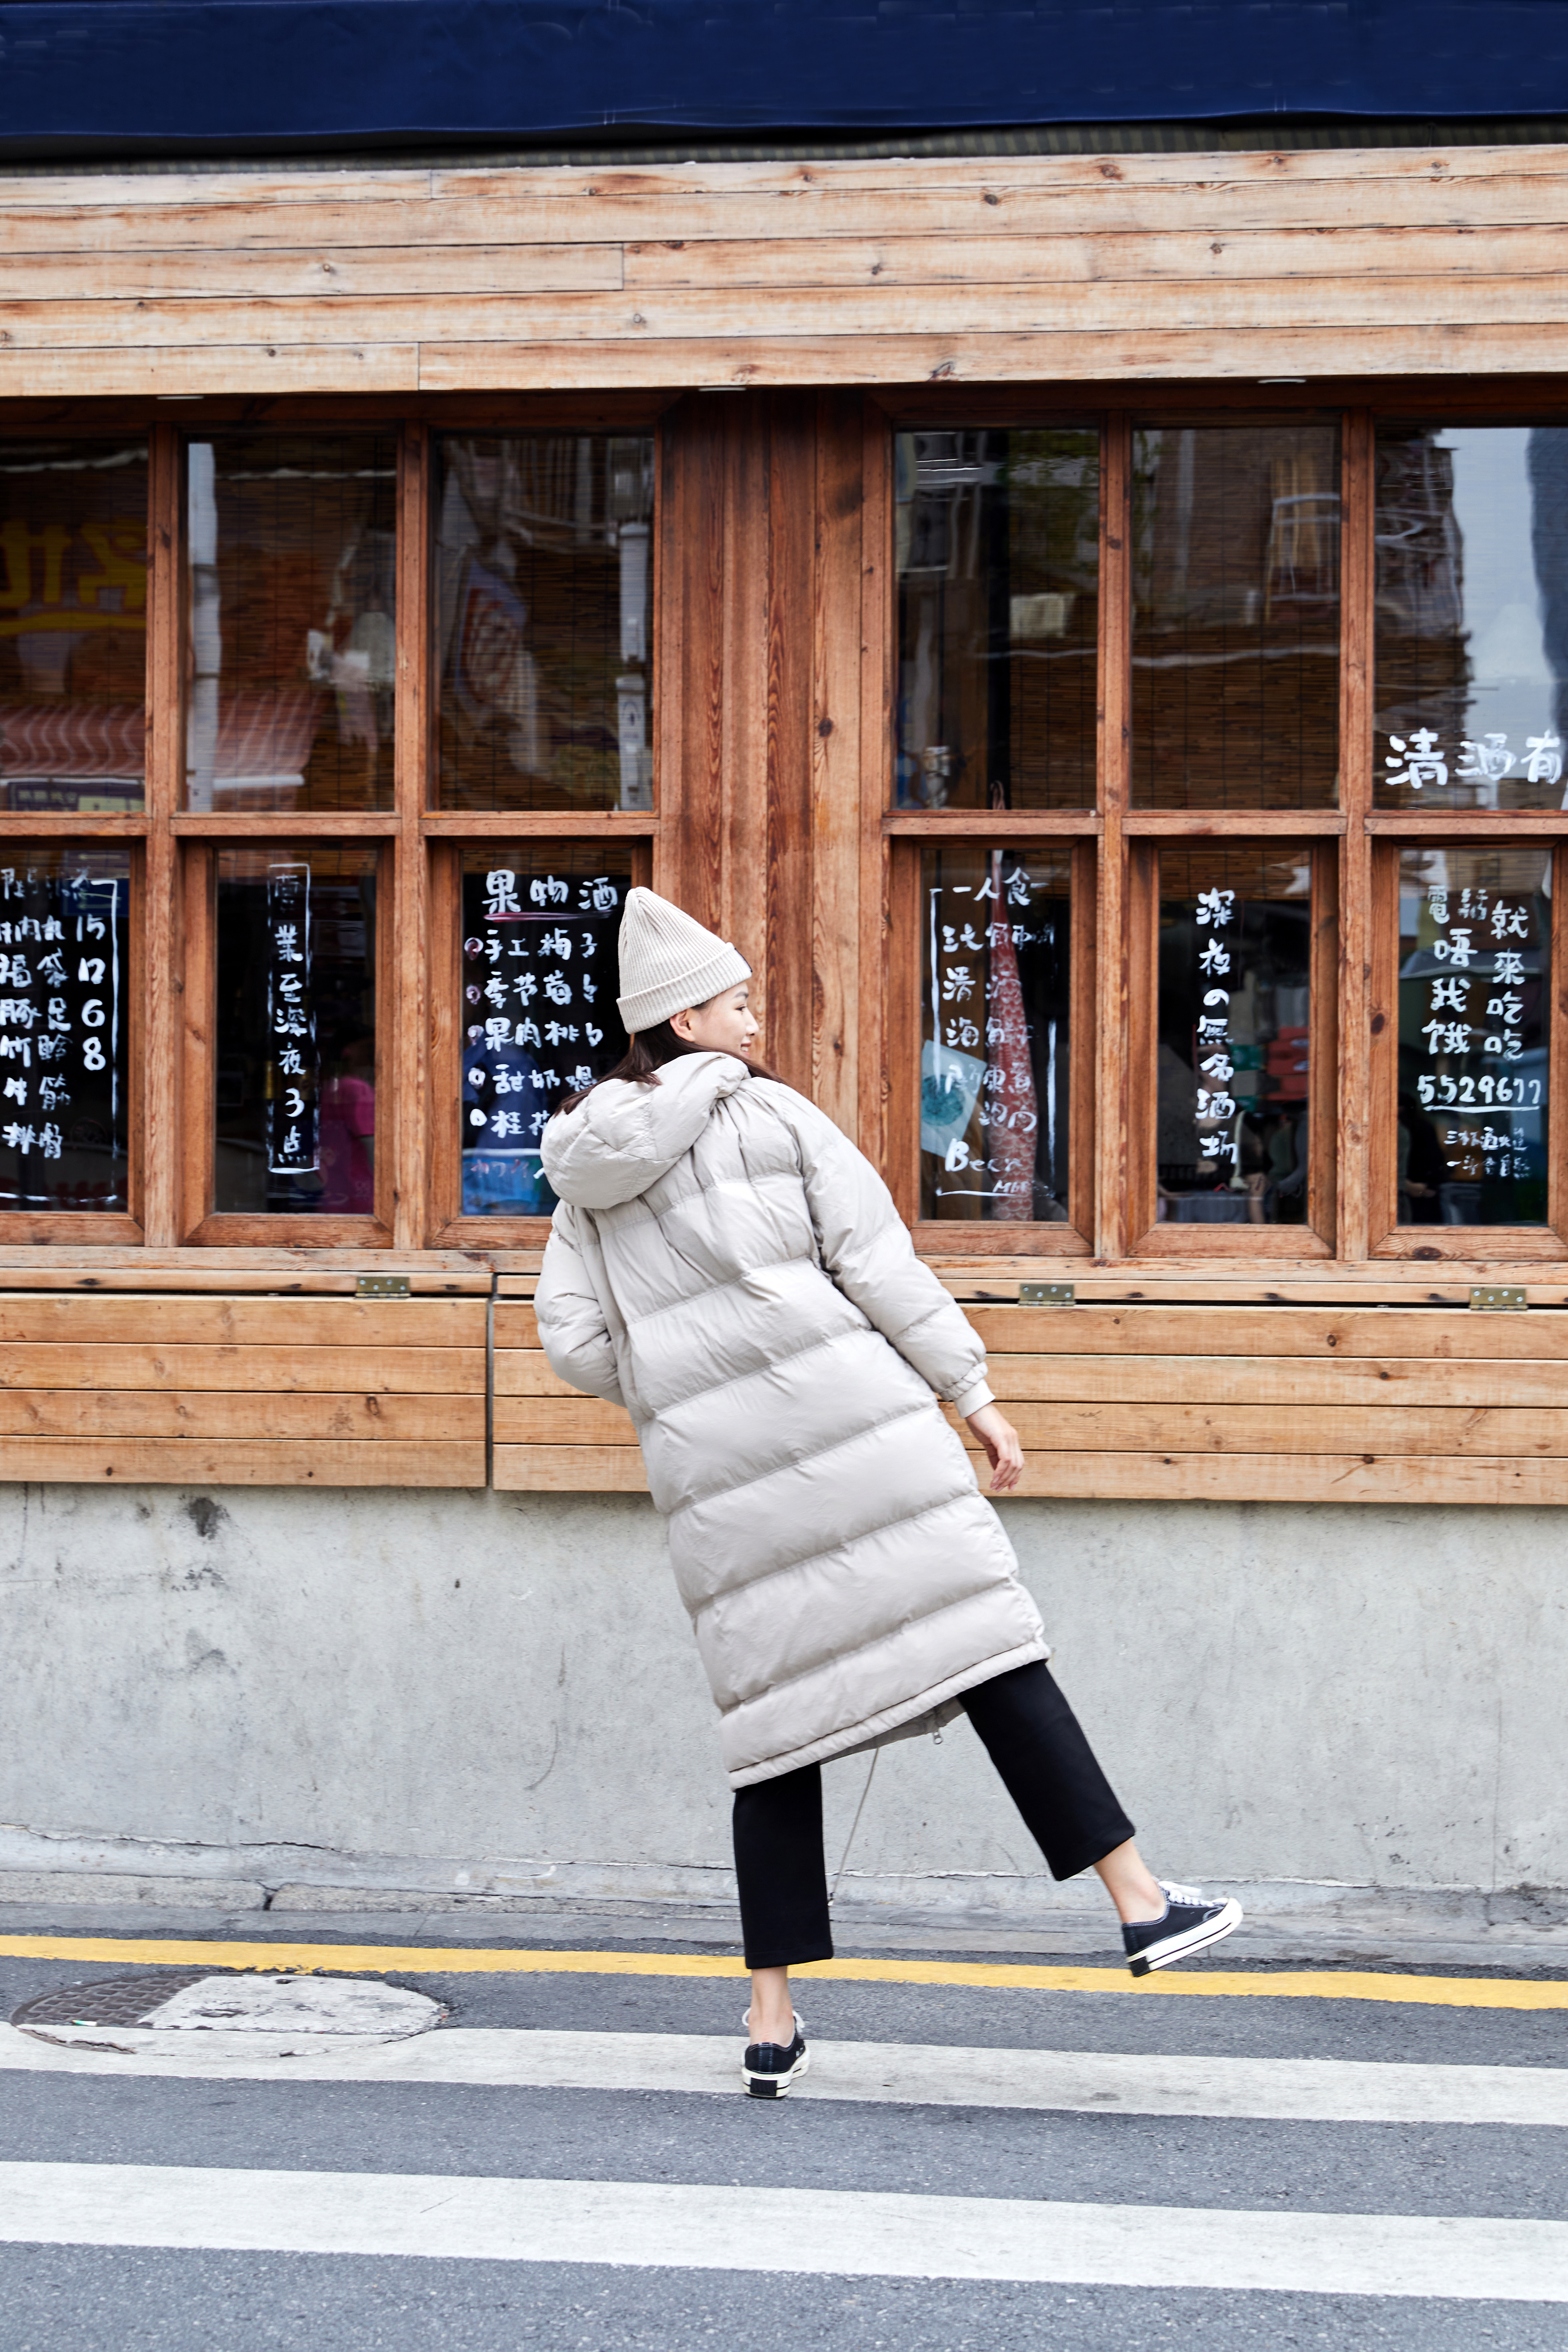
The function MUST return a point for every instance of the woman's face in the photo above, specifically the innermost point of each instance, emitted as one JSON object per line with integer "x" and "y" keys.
{"x": 725, "y": 1025}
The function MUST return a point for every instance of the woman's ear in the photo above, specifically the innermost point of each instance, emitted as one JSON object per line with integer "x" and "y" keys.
{"x": 681, "y": 1024}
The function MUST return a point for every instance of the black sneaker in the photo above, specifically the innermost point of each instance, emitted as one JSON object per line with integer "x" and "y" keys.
{"x": 769, "y": 2068}
{"x": 1188, "y": 1922}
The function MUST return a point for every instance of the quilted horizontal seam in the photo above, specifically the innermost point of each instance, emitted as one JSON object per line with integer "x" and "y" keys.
{"x": 819, "y": 1453}
{"x": 804, "y": 1558}
{"x": 732, "y": 1380}
{"x": 712, "y": 1290}
{"x": 862, "y": 1650}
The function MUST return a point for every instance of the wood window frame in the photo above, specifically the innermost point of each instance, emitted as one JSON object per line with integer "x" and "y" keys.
{"x": 435, "y": 838}
{"x": 146, "y": 1125}
{"x": 774, "y": 603}
{"x": 1351, "y": 1186}
{"x": 171, "y": 950}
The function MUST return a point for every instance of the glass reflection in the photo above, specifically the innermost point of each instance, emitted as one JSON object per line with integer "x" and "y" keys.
{"x": 295, "y": 1091}
{"x": 543, "y": 556}
{"x": 1474, "y": 929}
{"x": 1472, "y": 615}
{"x": 1235, "y": 617}
{"x": 995, "y": 1033}
{"x": 998, "y": 572}
{"x": 73, "y": 624}
{"x": 1233, "y": 1127}
{"x": 291, "y": 545}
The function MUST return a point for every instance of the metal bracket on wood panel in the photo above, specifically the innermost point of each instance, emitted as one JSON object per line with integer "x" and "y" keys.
{"x": 381, "y": 1285}
{"x": 1498, "y": 1298}
{"x": 1045, "y": 1294}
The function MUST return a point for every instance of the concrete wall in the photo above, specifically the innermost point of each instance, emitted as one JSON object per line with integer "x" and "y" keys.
{"x": 422, "y": 1691}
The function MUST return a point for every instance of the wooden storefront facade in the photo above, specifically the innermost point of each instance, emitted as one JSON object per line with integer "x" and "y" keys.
{"x": 782, "y": 363}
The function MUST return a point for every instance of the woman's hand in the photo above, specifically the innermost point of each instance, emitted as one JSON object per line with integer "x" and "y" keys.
{"x": 1002, "y": 1449}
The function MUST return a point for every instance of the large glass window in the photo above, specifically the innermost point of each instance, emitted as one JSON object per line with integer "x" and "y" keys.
{"x": 291, "y": 575}
{"x": 1474, "y": 929}
{"x": 543, "y": 561}
{"x": 999, "y": 573}
{"x": 1235, "y": 617}
{"x": 65, "y": 1021}
{"x": 540, "y": 980}
{"x": 1471, "y": 524}
{"x": 296, "y": 1075}
{"x": 73, "y": 624}
{"x": 995, "y": 1061}
{"x": 1234, "y": 1128}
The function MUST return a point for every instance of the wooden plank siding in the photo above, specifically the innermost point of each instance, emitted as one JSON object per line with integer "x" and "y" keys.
{"x": 1021, "y": 268}
{"x": 1181, "y": 1403}
{"x": 1201, "y": 1399}
{"x": 242, "y": 1390}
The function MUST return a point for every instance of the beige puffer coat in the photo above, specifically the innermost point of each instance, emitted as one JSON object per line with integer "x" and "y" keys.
{"x": 729, "y": 1268}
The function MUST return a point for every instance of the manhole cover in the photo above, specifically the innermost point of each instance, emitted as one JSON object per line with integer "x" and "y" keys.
{"x": 133, "y": 2013}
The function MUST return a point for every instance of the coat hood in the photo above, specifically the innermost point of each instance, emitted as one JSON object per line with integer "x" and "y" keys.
{"x": 625, "y": 1136}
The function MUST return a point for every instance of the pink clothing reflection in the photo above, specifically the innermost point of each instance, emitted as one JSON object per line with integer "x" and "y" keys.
{"x": 348, "y": 1135}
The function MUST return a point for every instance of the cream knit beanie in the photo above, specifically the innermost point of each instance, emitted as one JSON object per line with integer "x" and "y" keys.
{"x": 669, "y": 961}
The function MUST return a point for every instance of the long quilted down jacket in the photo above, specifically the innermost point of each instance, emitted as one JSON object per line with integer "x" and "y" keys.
{"x": 729, "y": 1268}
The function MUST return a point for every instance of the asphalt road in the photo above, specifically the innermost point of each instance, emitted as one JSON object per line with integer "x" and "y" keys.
{"x": 747, "y": 2182}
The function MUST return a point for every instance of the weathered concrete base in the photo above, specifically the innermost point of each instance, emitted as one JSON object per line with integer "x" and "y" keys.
{"x": 342, "y": 1700}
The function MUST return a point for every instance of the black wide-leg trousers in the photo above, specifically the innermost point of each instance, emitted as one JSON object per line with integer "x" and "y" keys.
{"x": 1047, "y": 1768}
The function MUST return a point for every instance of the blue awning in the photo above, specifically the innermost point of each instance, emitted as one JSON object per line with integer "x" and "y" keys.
{"x": 162, "y": 74}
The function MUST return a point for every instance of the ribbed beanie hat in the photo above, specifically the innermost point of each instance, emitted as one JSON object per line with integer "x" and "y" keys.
{"x": 669, "y": 961}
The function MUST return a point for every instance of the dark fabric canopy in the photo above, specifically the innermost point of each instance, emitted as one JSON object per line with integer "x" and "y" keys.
{"x": 162, "y": 74}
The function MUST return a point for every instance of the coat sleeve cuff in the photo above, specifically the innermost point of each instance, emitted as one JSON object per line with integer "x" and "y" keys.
{"x": 973, "y": 1398}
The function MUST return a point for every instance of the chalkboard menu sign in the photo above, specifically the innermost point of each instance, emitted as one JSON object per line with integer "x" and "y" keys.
{"x": 64, "y": 933}
{"x": 539, "y": 1019}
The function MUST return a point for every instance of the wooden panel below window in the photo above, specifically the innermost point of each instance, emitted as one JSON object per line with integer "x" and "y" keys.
{"x": 1201, "y": 1401}
{"x": 1181, "y": 1404}
{"x": 242, "y": 1391}
{"x": 547, "y": 1438}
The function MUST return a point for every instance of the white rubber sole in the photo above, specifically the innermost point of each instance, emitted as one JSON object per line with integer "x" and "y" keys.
{"x": 773, "y": 2087}
{"x": 1193, "y": 1940}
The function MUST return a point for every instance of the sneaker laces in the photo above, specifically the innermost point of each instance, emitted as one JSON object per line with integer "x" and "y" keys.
{"x": 1185, "y": 1894}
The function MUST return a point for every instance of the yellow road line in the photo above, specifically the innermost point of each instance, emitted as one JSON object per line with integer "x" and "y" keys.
{"x": 421, "y": 1959}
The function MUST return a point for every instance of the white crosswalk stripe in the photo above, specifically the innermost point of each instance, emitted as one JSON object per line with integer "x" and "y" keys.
{"x": 619, "y": 2223}
{"x": 1316, "y": 2090}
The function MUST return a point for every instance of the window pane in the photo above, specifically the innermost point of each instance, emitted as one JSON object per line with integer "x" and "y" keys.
{"x": 292, "y": 543}
{"x": 1236, "y": 1026}
{"x": 65, "y": 923}
{"x": 543, "y": 564}
{"x": 1472, "y": 615}
{"x": 296, "y": 1084}
{"x": 994, "y": 1037}
{"x": 1474, "y": 929}
{"x": 998, "y": 564}
{"x": 1235, "y": 617}
{"x": 540, "y": 927}
{"x": 73, "y": 624}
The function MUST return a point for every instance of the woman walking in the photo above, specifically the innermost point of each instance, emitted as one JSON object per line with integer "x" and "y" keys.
{"x": 729, "y": 1268}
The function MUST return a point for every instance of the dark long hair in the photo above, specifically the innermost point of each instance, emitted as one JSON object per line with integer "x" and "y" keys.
{"x": 645, "y": 1056}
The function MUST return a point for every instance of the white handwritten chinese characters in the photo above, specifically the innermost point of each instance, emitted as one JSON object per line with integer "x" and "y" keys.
{"x": 539, "y": 1020}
